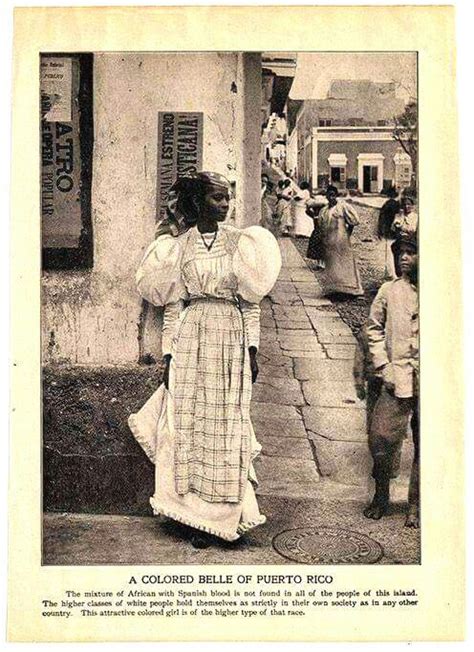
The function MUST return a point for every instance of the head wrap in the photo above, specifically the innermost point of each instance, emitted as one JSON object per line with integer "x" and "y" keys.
{"x": 332, "y": 189}
{"x": 181, "y": 212}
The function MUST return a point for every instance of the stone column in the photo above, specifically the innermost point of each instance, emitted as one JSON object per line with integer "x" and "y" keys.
{"x": 248, "y": 139}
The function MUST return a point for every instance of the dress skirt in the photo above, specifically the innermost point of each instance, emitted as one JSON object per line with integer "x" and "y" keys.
{"x": 303, "y": 225}
{"x": 341, "y": 272}
{"x": 199, "y": 433}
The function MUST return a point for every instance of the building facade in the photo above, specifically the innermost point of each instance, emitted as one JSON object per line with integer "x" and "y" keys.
{"x": 104, "y": 146}
{"x": 363, "y": 158}
{"x": 346, "y": 138}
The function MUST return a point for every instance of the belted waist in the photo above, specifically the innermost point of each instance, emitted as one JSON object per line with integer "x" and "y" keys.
{"x": 195, "y": 300}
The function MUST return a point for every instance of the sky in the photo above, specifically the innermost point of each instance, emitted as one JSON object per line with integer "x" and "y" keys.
{"x": 316, "y": 70}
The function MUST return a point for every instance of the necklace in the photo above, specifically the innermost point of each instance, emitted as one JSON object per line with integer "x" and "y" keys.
{"x": 209, "y": 246}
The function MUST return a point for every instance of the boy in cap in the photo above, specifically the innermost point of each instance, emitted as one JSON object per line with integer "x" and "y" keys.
{"x": 392, "y": 333}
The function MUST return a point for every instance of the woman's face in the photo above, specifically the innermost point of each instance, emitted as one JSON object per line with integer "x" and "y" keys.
{"x": 332, "y": 198}
{"x": 215, "y": 204}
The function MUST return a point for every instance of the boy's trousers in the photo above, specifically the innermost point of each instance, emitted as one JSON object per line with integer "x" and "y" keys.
{"x": 388, "y": 428}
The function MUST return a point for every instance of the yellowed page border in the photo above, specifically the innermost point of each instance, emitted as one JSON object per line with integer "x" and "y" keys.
{"x": 440, "y": 578}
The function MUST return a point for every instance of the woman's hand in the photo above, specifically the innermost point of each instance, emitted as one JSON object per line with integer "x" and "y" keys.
{"x": 253, "y": 362}
{"x": 166, "y": 373}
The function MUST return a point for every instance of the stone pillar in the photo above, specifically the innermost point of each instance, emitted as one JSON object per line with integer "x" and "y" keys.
{"x": 248, "y": 139}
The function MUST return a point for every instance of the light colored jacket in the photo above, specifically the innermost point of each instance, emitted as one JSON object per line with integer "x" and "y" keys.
{"x": 392, "y": 331}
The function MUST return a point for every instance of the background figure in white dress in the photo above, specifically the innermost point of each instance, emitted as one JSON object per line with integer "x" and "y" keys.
{"x": 196, "y": 428}
{"x": 303, "y": 224}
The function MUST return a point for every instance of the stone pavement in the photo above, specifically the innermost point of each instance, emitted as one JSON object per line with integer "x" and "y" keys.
{"x": 372, "y": 201}
{"x": 305, "y": 410}
{"x": 315, "y": 465}
{"x": 86, "y": 539}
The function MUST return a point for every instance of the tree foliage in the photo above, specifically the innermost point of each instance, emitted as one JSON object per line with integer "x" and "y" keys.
{"x": 405, "y": 132}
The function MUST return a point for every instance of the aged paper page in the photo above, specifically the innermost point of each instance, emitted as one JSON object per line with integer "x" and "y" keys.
{"x": 101, "y": 100}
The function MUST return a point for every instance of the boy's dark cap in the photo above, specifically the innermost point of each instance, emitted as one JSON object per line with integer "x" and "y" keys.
{"x": 405, "y": 238}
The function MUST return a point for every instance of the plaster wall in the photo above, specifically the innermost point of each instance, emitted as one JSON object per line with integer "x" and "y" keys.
{"x": 92, "y": 317}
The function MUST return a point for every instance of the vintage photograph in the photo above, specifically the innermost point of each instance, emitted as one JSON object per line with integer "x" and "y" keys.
{"x": 229, "y": 308}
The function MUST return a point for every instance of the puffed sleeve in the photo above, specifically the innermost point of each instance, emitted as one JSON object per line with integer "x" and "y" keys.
{"x": 256, "y": 263}
{"x": 158, "y": 277}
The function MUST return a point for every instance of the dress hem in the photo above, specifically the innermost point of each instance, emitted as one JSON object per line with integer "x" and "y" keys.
{"x": 227, "y": 536}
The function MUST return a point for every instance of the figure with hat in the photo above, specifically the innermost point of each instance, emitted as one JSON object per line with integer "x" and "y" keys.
{"x": 209, "y": 277}
{"x": 385, "y": 232}
{"x": 406, "y": 220}
{"x": 336, "y": 222}
{"x": 392, "y": 333}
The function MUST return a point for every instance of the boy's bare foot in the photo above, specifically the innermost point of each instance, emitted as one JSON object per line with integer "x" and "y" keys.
{"x": 413, "y": 518}
{"x": 375, "y": 510}
{"x": 379, "y": 505}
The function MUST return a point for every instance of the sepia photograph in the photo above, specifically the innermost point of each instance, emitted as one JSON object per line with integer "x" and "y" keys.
{"x": 229, "y": 307}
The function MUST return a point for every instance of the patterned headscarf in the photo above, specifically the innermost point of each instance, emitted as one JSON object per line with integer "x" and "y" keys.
{"x": 180, "y": 209}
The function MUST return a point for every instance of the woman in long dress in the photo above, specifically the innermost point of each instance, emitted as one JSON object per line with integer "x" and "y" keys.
{"x": 315, "y": 250}
{"x": 266, "y": 216}
{"x": 196, "y": 428}
{"x": 284, "y": 217}
{"x": 337, "y": 221}
{"x": 303, "y": 224}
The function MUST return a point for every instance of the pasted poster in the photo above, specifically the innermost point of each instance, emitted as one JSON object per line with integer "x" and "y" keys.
{"x": 179, "y": 151}
{"x": 56, "y": 82}
{"x": 60, "y": 153}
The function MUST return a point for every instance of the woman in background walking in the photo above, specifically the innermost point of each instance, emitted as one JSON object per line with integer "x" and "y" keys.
{"x": 303, "y": 225}
{"x": 315, "y": 245}
{"x": 283, "y": 207}
{"x": 337, "y": 221}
